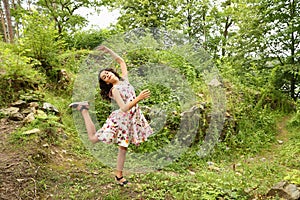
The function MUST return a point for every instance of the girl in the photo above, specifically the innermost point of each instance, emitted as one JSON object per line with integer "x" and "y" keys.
{"x": 125, "y": 125}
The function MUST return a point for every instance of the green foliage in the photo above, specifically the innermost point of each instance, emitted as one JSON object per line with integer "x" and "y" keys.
{"x": 49, "y": 127}
{"x": 266, "y": 33}
{"x": 62, "y": 76}
{"x": 40, "y": 40}
{"x": 258, "y": 80}
{"x": 72, "y": 59}
{"x": 294, "y": 123}
{"x": 186, "y": 68}
{"x": 142, "y": 56}
{"x": 293, "y": 177}
{"x": 252, "y": 76}
{"x": 253, "y": 106}
{"x": 89, "y": 39}
{"x": 255, "y": 131}
{"x": 103, "y": 109}
{"x": 63, "y": 13}
{"x": 145, "y": 14}
{"x": 191, "y": 18}
{"x": 17, "y": 74}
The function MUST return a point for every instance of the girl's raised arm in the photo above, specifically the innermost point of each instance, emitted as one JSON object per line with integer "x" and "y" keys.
{"x": 117, "y": 58}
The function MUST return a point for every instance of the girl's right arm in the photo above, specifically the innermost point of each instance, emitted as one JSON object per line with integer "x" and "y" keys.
{"x": 125, "y": 107}
{"x": 117, "y": 58}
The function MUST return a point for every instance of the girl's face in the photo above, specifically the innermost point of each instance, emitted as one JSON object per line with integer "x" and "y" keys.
{"x": 108, "y": 77}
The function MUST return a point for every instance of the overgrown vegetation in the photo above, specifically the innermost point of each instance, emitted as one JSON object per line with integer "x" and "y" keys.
{"x": 258, "y": 144}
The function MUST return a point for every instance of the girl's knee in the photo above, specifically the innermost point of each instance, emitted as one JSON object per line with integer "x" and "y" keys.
{"x": 123, "y": 148}
{"x": 94, "y": 139}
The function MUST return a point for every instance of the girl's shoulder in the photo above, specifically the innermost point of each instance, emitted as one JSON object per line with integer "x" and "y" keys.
{"x": 123, "y": 82}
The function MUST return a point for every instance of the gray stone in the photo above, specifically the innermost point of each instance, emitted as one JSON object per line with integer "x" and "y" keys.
{"x": 19, "y": 104}
{"x": 33, "y": 131}
{"x": 16, "y": 116}
{"x": 280, "y": 141}
{"x": 33, "y": 105}
{"x": 210, "y": 163}
{"x": 50, "y": 107}
{"x": 285, "y": 190}
{"x": 29, "y": 118}
{"x": 293, "y": 191}
{"x": 9, "y": 111}
{"x": 28, "y": 111}
{"x": 13, "y": 113}
{"x": 214, "y": 82}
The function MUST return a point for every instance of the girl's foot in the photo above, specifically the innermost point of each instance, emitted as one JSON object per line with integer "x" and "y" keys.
{"x": 80, "y": 105}
{"x": 121, "y": 181}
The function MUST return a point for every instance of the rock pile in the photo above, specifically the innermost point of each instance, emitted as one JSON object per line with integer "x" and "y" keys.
{"x": 27, "y": 112}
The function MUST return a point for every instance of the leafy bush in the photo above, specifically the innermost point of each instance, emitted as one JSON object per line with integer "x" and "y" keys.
{"x": 17, "y": 74}
{"x": 72, "y": 59}
{"x": 40, "y": 40}
{"x": 87, "y": 39}
{"x": 141, "y": 56}
{"x": 63, "y": 74}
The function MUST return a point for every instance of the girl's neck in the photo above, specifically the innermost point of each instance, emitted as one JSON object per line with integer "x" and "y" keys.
{"x": 116, "y": 83}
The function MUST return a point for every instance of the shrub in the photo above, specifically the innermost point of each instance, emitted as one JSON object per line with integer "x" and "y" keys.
{"x": 17, "y": 74}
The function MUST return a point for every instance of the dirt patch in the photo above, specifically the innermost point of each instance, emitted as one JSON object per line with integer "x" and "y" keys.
{"x": 32, "y": 170}
{"x": 17, "y": 177}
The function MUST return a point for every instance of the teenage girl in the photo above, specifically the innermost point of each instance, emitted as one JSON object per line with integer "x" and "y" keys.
{"x": 123, "y": 126}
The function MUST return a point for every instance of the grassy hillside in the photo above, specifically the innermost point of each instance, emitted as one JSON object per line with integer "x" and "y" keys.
{"x": 259, "y": 145}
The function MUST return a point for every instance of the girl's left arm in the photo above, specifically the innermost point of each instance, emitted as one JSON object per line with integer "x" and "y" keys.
{"x": 117, "y": 58}
{"x": 123, "y": 67}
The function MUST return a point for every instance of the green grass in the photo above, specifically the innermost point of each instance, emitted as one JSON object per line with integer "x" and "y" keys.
{"x": 67, "y": 170}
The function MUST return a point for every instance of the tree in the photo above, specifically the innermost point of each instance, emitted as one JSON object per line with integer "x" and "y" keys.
{"x": 3, "y": 30}
{"x": 269, "y": 31}
{"x": 201, "y": 20}
{"x": 282, "y": 33}
{"x": 8, "y": 21}
{"x": 63, "y": 13}
{"x": 192, "y": 17}
{"x": 144, "y": 13}
{"x": 40, "y": 40}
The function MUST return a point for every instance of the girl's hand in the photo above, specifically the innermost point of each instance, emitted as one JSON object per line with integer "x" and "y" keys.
{"x": 144, "y": 94}
{"x": 102, "y": 48}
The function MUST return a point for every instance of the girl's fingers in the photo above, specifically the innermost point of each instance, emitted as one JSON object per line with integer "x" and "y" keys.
{"x": 146, "y": 93}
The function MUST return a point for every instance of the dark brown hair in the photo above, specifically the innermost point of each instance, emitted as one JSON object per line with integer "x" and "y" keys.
{"x": 104, "y": 87}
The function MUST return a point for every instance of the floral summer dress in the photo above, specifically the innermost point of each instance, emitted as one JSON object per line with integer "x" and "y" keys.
{"x": 128, "y": 127}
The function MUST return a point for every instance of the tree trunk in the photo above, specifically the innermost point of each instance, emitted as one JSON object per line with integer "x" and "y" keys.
{"x": 293, "y": 48}
{"x": 17, "y": 28}
{"x": 3, "y": 26}
{"x": 225, "y": 34}
{"x": 293, "y": 87}
{"x": 8, "y": 20}
{"x": 189, "y": 20}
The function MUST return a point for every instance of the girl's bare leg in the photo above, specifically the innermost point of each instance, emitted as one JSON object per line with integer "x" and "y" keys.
{"x": 90, "y": 127}
{"x": 120, "y": 162}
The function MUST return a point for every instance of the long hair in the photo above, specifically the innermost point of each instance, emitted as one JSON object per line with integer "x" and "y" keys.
{"x": 104, "y": 87}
